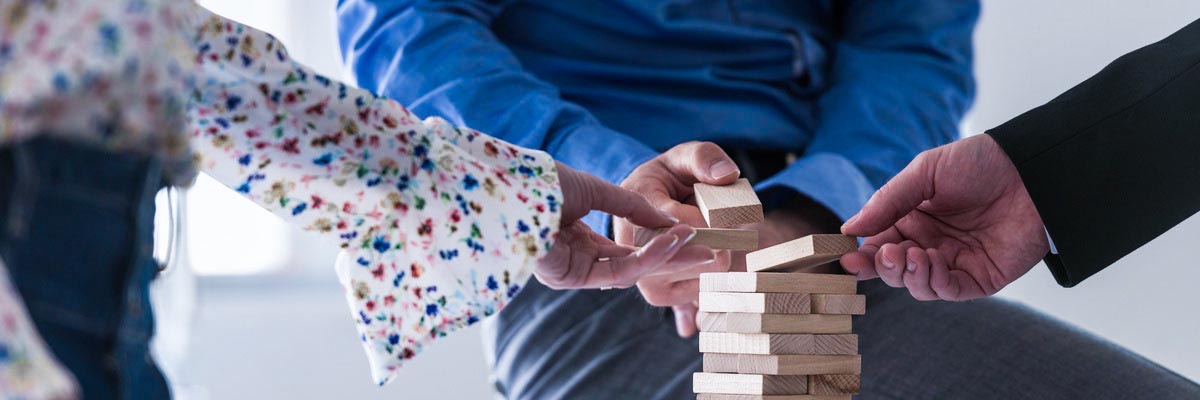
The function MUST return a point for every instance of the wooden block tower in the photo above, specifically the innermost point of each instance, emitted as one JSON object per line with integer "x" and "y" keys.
{"x": 772, "y": 334}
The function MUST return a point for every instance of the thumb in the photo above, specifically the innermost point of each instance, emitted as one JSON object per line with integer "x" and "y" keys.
{"x": 896, "y": 198}
{"x": 583, "y": 193}
{"x": 703, "y": 162}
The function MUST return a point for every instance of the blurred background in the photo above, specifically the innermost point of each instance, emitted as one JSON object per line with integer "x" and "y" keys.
{"x": 257, "y": 312}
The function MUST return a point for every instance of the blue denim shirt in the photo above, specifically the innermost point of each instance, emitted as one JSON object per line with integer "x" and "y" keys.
{"x": 855, "y": 87}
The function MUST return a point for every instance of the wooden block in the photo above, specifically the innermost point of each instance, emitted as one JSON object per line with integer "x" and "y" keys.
{"x": 805, "y": 252}
{"x": 833, "y": 384}
{"x": 835, "y": 344}
{"x": 805, "y": 364}
{"x": 716, "y": 238}
{"x": 778, "y": 343}
{"x": 707, "y": 382}
{"x": 773, "y": 323}
{"x": 778, "y": 282}
{"x": 755, "y": 343}
{"x": 721, "y": 363}
{"x": 719, "y": 396}
{"x": 852, "y": 304}
{"x": 783, "y": 364}
{"x": 728, "y": 206}
{"x": 770, "y": 303}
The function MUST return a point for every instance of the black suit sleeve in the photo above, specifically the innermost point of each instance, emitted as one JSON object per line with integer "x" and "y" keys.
{"x": 1115, "y": 161}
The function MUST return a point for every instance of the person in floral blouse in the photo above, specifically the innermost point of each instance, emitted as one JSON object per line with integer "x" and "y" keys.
{"x": 104, "y": 102}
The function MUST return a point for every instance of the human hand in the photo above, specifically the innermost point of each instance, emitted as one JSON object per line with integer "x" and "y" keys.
{"x": 956, "y": 224}
{"x": 581, "y": 258}
{"x": 667, "y": 181}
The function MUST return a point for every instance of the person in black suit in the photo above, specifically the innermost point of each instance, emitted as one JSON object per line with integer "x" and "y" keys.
{"x": 1080, "y": 181}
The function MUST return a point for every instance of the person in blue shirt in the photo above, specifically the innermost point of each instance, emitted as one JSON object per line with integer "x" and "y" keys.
{"x": 817, "y": 103}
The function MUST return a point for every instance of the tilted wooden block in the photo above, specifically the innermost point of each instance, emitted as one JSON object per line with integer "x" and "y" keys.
{"x": 851, "y": 304}
{"x": 770, "y": 303}
{"x": 805, "y": 252}
{"x": 728, "y": 206}
{"x": 783, "y": 364}
{"x": 777, "y": 343}
{"x": 718, "y": 396}
{"x": 778, "y": 282}
{"x": 706, "y": 382}
{"x": 715, "y": 238}
{"x": 833, "y": 384}
{"x": 773, "y": 323}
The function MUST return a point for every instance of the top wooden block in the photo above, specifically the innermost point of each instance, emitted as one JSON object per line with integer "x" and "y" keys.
{"x": 778, "y": 282}
{"x": 805, "y": 252}
{"x": 728, "y": 206}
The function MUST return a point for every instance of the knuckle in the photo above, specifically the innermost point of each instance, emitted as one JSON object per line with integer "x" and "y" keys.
{"x": 549, "y": 282}
{"x": 703, "y": 150}
{"x": 685, "y": 146}
{"x": 924, "y": 157}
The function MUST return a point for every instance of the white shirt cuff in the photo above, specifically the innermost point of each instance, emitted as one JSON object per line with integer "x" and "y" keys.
{"x": 1053, "y": 250}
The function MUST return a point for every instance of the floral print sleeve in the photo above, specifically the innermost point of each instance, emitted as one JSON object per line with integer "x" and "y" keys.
{"x": 440, "y": 225}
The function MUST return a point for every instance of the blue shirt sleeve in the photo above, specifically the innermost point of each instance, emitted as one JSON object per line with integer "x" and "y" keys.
{"x": 900, "y": 81}
{"x": 441, "y": 58}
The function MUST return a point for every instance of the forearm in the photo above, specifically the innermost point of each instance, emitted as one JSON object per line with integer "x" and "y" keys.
{"x": 440, "y": 225}
{"x": 1104, "y": 162}
{"x": 441, "y": 58}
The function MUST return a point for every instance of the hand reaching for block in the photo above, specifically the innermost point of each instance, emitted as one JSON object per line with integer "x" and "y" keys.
{"x": 678, "y": 182}
{"x": 667, "y": 182}
{"x": 580, "y": 258}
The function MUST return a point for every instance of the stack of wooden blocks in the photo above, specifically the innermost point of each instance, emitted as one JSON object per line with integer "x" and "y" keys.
{"x": 771, "y": 334}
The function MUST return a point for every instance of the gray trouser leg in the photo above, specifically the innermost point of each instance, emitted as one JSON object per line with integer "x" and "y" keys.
{"x": 995, "y": 349}
{"x": 610, "y": 344}
{"x": 588, "y": 344}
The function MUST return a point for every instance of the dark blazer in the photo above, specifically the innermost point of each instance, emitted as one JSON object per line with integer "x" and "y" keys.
{"x": 1115, "y": 161}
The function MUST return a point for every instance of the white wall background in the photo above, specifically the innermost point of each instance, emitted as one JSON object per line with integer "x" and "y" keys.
{"x": 1028, "y": 51}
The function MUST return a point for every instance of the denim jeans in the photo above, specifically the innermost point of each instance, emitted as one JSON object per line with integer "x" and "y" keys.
{"x": 76, "y": 231}
{"x": 594, "y": 344}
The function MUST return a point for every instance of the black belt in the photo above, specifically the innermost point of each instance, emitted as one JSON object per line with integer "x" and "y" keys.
{"x": 758, "y": 165}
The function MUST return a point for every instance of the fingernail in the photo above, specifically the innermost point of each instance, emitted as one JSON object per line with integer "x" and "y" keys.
{"x": 888, "y": 263}
{"x": 722, "y": 169}
{"x": 912, "y": 266}
{"x": 669, "y": 217}
{"x": 674, "y": 242}
{"x": 851, "y": 220}
{"x": 691, "y": 234}
{"x": 681, "y": 241}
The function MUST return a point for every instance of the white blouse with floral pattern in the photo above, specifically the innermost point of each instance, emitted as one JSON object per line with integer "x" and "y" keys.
{"x": 440, "y": 226}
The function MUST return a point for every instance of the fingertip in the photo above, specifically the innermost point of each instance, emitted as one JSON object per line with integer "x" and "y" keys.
{"x": 668, "y": 217}
{"x": 683, "y": 232}
{"x": 666, "y": 245}
{"x": 685, "y": 322}
{"x": 914, "y": 258}
{"x": 723, "y": 171}
{"x": 857, "y": 264}
{"x": 850, "y": 227}
{"x": 892, "y": 255}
